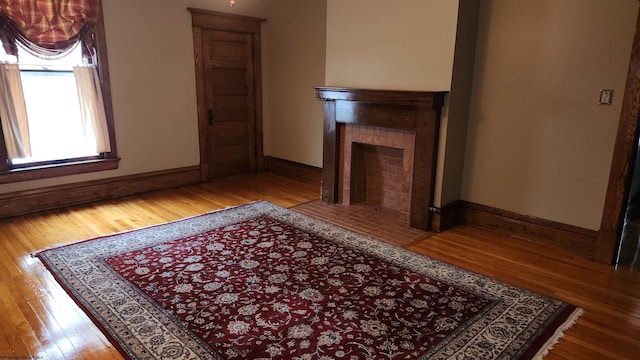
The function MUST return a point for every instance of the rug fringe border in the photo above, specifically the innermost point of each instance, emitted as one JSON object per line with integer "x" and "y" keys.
{"x": 558, "y": 334}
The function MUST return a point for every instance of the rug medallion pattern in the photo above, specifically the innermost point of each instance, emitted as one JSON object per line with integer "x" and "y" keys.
{"x": 262, "y": 282}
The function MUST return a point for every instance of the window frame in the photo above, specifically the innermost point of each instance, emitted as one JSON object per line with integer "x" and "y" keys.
{"x": 56, "y": 168}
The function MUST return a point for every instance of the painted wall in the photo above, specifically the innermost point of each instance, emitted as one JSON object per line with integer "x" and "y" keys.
{"x": 538, "y": 143}
{"x": 293, "y": 65}
{"x": 150, "y": 49}
{"x": 400, "y": 45}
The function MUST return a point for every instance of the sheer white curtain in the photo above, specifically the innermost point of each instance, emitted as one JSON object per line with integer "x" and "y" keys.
{"x": 13, "y": 112}
{"x": 94, "y": 118}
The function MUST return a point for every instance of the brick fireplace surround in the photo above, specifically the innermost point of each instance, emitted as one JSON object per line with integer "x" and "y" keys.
{"x": 380, "y": 147}
{"x": 376, "y": 166}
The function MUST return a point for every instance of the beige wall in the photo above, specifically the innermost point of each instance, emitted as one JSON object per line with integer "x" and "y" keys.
{"x": 294, "y": 58}
{"x": 150, "y": 51}
{"x": 395, "y": 45}
{"x": 538, "y": 143}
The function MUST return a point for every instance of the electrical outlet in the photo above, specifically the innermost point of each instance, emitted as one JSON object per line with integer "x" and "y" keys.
{"x": 606, "y": 95}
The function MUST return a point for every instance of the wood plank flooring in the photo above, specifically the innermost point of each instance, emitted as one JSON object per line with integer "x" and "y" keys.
{"x": 39, "y": 320}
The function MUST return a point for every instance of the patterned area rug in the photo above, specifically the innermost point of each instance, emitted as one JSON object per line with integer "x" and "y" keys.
{"x": 262, "y": 282}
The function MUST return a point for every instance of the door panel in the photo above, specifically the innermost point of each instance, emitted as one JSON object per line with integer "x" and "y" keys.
{"x": 231, "y": 133}
{"x": 226, "y": 82}
{"x": 231, "y": 49}
{"x": 230, "y": 108}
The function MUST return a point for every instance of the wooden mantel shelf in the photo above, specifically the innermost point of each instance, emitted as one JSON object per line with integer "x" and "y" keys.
{"x": 418, "y": 111}
{"x": 434, "y": 99}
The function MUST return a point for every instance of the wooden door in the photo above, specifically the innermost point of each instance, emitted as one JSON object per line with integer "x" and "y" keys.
{"x": 230, "y": 93}
{"x": 227, "y": 59}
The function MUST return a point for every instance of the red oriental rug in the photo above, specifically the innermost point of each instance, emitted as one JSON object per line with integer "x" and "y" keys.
{"x": 262, "y": 282}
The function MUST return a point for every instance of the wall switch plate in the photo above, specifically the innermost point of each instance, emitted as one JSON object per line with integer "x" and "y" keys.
{"x": 606, "y": 95}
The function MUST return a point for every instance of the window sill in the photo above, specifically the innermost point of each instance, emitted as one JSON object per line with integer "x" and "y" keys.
{"x": 56, "y": 170}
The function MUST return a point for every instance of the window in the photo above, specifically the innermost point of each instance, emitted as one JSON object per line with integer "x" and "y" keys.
{"x": 53, "y": 109}
{"x": 59, "y": 120}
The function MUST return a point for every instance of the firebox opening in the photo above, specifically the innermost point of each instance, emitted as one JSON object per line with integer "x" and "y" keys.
{"x": 378, "y": 177}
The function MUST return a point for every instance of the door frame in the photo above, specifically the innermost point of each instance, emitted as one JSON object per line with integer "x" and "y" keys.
{"x": 214, "y": 20}
{"x": 624, "y": 157}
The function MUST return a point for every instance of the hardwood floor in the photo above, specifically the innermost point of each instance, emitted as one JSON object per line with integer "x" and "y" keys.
{"x": 39, "y": 320}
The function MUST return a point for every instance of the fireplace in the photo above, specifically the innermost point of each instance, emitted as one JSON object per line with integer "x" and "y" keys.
{"x": 380, "y": 148}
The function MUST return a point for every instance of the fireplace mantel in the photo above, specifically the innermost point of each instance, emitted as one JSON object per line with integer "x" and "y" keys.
{"x": 418, "y": 111}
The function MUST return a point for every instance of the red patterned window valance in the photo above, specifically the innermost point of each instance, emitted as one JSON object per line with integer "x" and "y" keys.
{"x": 47, "y": 27}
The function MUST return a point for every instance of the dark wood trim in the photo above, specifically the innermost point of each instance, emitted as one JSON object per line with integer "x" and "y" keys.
{"x": 201, "y": 103}
{"x": 427, "y": 128}
{"x": 216, "y": 20}
{"x": 29, "y": 201}
{"x": 330, "y": 154}
{"x": 252, "y": 126}
{"x": 569, "y": 238}
{"x": 418, "y": 111}
{"x": 257, "y": 89}
{"x": 624, "y": 155}
{"x": 103, "y": 70}
{"x": 4, "y": 163}
{"x": 429, "y": 99}
{"x": 446, "y": 217}
{"x": 295, "y": 170}
{"x": 57, "y": 169}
